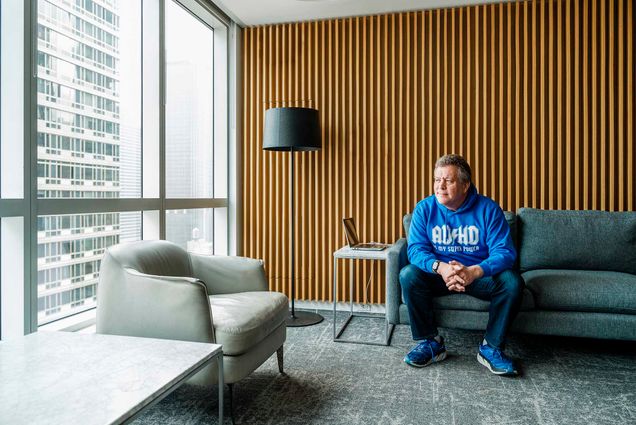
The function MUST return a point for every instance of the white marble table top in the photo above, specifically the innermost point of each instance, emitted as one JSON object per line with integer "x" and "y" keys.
{"x": 357, "y": 254}
{"x": 73, "y": 378}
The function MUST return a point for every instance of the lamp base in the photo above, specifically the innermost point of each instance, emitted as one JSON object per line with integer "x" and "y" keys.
{"x": 303, "y": 318}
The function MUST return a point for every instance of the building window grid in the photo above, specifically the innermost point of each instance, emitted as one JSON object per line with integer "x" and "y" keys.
{"x": 53, "y": 119}
{"x": 77, "y": 223}
{"x": 81, "y": 76}
{"x": 64, "y": 20}
{"x": 56, "y": 118}
{"x": 77, "y": 194}
{"x": 100, "y": 150}
{"x": 58, "y": 172}
{"x": 92, "y": 11}
{"x": 73, "y": 298}
{"x": 53, "y": 252}
{"x": 97, "y": 12}
{"x": 54, "y": 277}
{"x": 82, "y": 101}
{"x": 75, "y": 49}
{"x": 79, "y": 94}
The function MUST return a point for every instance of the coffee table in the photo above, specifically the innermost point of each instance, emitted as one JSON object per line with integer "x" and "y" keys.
{"x": 75, "y": 378}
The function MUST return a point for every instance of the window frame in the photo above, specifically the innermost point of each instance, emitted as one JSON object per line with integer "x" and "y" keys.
{"x": 155, "y": 207}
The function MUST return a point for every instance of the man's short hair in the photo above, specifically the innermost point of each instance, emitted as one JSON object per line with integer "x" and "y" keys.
{"x": 464, "y": 172}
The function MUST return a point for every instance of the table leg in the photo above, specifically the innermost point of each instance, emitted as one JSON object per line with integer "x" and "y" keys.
{"x": 335, "y": 289}
{"x": 353, "y": 264}
{"x": 221, "y": 385}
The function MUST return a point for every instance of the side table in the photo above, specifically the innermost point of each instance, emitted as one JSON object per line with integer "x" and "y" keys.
{"x": 354, "y": 254}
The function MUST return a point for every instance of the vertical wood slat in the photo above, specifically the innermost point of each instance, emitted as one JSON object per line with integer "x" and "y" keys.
{"x": 630, "y": 70}
{"x": 538, "y": 95}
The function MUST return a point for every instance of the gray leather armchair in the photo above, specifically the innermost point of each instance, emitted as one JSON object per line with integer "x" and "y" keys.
{"x": 156, "y": 289}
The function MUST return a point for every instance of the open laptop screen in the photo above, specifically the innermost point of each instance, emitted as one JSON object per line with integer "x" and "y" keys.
{"x": 350, "y": 231}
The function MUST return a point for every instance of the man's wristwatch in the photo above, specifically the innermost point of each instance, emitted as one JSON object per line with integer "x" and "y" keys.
{"x": 435, "y": 266}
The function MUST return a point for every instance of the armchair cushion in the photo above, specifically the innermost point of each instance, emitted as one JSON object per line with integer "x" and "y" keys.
{"x": 244, "y": 319}
{"x": 158, "y": 258}
{"x": 228, "y": 275}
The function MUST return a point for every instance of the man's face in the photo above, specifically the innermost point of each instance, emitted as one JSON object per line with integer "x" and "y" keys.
{"x": 449, "y": 190}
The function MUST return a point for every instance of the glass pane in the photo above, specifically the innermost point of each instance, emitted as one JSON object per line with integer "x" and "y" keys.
{"x": 220, "y": 231}
{"x": 70, "y": 248}
{"x": 89, "y": 99}
{"x": 199, "y": 231}
{"x": 12, "y": 294}
{"x": 189, "y": 105}
{"x": 12, "y": 77}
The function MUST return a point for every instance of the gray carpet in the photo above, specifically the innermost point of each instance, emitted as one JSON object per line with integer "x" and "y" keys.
{"x": 565, "y": 381}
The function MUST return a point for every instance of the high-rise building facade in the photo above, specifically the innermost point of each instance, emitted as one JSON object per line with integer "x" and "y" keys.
{"x": 86, "y": 149}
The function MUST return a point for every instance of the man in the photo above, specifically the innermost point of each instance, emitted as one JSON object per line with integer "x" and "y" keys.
{"x": 459, "y": 242}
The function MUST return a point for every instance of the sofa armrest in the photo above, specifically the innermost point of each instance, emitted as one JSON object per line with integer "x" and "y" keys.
{"x": 228, "y": 275}
{"x": 136, "y": 304}
{"x": 396, "y": 259}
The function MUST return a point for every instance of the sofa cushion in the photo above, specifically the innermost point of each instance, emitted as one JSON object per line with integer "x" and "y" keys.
{"x": 511, "y": 218}
{"x": 580, "y": 240}
{"x": 467, "y": 302}
{"x": 244, "y": 319}
{"x": 577, "y": 290}
{"x": 406, "y": 222}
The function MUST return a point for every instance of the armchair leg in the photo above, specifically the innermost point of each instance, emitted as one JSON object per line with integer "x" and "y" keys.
{"x": 279, "y": 355}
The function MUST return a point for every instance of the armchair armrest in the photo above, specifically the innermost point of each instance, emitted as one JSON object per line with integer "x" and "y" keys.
{"x": 137, "y": 304}
{"x": 228, "y": 275}
{"x": 396, "y": 259}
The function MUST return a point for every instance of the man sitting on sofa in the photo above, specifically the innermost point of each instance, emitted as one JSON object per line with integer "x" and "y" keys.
{"x": 459, "y": 242}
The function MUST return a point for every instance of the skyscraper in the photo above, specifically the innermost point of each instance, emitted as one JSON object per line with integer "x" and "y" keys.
{"x": 86, "y": 147}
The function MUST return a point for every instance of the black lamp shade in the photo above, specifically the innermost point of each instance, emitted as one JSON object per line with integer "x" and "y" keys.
{"x": 291, "y": 129}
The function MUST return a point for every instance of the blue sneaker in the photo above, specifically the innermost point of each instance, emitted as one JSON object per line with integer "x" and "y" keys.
{"x": 426, "y": 352}
{"x": 496, "y": 361}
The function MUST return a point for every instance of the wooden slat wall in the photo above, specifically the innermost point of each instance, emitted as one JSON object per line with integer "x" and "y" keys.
{"x": 537, "y": 95}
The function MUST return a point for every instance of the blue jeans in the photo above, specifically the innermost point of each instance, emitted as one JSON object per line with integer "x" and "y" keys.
{"x": 503, "y": 290}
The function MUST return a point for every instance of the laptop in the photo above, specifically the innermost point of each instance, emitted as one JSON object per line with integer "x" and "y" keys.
{"x": 354, "y": 241}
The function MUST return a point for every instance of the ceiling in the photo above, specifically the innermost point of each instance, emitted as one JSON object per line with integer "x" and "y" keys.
{"x": 259, "y": 12}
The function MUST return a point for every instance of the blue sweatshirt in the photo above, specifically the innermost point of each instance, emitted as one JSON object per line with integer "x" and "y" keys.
{"x": 477, "y": 233}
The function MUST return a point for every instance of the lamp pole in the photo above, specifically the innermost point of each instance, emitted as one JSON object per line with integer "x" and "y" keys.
{"x": 292, "y": 216}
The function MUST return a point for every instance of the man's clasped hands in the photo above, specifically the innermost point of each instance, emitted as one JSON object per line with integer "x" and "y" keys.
{"x": 458, "y": 276}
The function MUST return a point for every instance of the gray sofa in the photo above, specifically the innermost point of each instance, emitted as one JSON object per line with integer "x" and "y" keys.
{"x": 580, "y": 274}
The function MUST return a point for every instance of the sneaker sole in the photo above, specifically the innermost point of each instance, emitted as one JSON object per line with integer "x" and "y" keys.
{"x": 485, "y": 362}
{"x": 436, "y": 359}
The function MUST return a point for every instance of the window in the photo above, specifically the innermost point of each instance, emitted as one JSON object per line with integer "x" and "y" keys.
{"x": 201, "y": 231}
{"x": 70, "y": 248}
{"x": 99, "y": 143}
{"x": 189, "y": 105}
{"x": 83, "y": 148}
{"x": 196, "y": 157}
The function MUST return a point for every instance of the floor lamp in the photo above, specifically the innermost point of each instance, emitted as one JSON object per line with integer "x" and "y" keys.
{"x": 291, "y": 130}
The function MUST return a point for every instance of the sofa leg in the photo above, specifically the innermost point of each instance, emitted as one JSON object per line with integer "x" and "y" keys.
{"x": 231, "y": 397}
{"x": 279, "y": 355}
